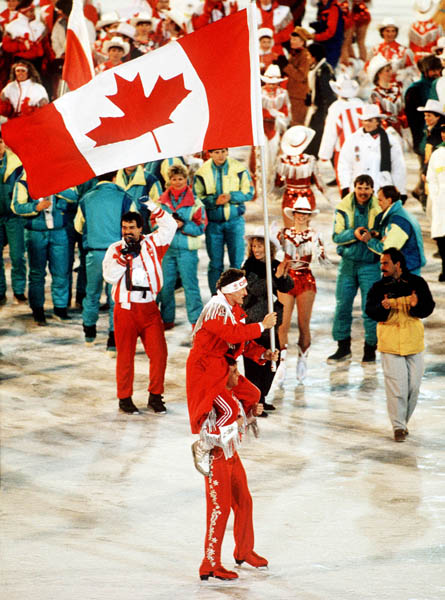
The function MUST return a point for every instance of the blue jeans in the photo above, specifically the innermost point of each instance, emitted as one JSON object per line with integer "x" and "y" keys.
{"x": 47, "y": 247}
{"x": 218, "y": 235}
{"x": 352, "y": 276}
{"x": 185, "y": 263}
{"x": 12, "y": 231}
{"x": 95, "y": 283}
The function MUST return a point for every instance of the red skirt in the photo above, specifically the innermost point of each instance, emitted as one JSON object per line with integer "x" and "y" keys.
{"x": 303, "y": 281}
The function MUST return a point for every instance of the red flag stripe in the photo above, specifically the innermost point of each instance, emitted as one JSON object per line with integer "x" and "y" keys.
{"x": 56, "y": 143}
{"x": 226, "y": 125}
{"x": 76, "y": 68}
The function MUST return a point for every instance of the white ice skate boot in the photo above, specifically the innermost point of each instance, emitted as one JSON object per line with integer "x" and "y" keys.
{"x": 280, "y": 375}
{"x": 302, "y": 364}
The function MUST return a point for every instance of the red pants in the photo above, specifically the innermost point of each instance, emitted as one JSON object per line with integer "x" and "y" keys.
{"x": 226, "y": 488}
{"x": 144, "y": 321}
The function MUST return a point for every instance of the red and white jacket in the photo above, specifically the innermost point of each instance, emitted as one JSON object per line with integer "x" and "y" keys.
{"x": 145, "y": 269}
{"x": 343, "y": 118}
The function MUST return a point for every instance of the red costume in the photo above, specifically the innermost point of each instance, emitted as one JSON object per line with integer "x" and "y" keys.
{"x": 298, "y": 173}
{"x": 390, "y": 102}
{"x": 213, "y": 411}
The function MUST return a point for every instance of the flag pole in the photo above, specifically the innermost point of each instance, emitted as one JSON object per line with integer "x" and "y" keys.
{"x": 255, "y": 67}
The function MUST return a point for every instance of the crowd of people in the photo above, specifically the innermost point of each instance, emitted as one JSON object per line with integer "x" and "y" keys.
{"x": 136, "y": 233}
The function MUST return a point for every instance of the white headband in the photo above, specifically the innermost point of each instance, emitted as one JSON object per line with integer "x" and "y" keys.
{"x": 235, "y": 286}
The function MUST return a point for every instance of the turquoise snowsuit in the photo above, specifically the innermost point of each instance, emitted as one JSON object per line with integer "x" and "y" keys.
{"x": 11, "y": 226}
{"x": 359, "y": 266}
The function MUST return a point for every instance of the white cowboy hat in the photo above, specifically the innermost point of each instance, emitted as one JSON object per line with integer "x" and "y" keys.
{"x": 371, "y": 111}
{"x": 177, "y": 17}
{"x": 272, "y": 75}
{"x": 265, "y": 32}
{"x": 126, "y": 29}
{"x": 344, "y": 87}
{"x": 433, "y": 106}
{"x": 108, "y": 19}
{"x": 142, "y": 17}
{"x": 425, "y": 9}
{"x": 375, "y": 65}
{"x": 387, "y": 22}
{"x": 296, "y": 139}
{"x": 117, "y": 42}
{"x": 259, "y": 234}
{"x": 301, "y": 205}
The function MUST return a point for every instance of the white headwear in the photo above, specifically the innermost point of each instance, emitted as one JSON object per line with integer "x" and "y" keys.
{"x": 296, "y": 139}
{"x": 117, "y": 42}
{"x": 301, "y": 205}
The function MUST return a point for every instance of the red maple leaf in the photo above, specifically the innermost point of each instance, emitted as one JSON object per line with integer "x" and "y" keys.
{"x": 142, "y": 114}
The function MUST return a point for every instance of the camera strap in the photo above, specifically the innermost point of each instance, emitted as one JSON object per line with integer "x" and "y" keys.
{"x": 134, "y": 288}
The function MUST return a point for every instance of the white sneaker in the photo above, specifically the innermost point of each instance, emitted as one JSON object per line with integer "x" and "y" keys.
{"x": 302, "y": 364}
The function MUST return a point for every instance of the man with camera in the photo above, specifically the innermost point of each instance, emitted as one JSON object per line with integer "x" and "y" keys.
{"x": 133, "y": 267}
{"x": 359, "y": 266}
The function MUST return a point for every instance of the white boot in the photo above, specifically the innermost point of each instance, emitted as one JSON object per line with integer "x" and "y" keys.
{"x": 280, "y": 375}
{"x": 302, "y": 364}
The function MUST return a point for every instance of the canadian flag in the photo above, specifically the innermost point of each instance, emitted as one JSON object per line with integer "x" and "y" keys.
{"x": 78, "y": 67}
{"x": 199, "y": 92}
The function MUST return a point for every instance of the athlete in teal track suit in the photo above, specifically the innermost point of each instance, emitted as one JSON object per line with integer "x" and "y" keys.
{"x": 11, "y": 226}
{"x": 98, "y": 219}
{"x": 359, "y": 267}
{"x": 47, "y": 243}
{"x": 225, "y": 227}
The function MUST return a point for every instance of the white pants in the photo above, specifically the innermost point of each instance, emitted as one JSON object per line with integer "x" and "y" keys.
{"x": 403, "y": 375}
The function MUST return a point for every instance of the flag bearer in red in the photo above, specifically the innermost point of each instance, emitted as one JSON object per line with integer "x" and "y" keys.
{"x": 133, "y": 267}
{"x": 218, "y": 401}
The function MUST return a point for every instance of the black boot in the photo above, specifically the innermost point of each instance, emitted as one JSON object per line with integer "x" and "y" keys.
{"x": 368, "y": 353}
{"x": 126, "y": 405}
{"x": 39, "y": 315}
{"x": 90, "y": 334}
{"x": 111, "y": 344}
{"x": 156, "y": 404}
{"x": 61, "y": 314}
{"x": 343, "y": 352}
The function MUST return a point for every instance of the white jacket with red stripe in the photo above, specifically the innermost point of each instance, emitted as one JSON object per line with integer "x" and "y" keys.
{"x": 343, "y": 118}
{"x": 153, "y": 248}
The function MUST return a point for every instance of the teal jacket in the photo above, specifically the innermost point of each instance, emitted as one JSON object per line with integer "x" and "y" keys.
{"x": 10, "y": 170}
{"x": 348, "y": 216}
{"x": 23, "y": 205}
{"x": 230, "y": 178}
{"x": 398, "y": 229}
{"x": 99, "y": 214}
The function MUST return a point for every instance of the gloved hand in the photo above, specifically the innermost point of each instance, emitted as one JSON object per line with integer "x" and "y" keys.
{"x": 148, "y": 202}
{"x": 344, "y": 192}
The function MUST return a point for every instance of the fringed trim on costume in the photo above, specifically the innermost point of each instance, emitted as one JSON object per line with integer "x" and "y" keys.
{"x": 217, "y": 306}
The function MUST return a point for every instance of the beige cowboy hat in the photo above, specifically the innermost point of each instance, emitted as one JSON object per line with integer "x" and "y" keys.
{"x": 117, "y": 42}
{"x": 301, "y": 205}
{"x": 296, "y": 139}
{"x": 376, "y": 64}
{"x": 433, "y": 106}
{"x": 345, "y": 87}
{"x": 272, "y": 75}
